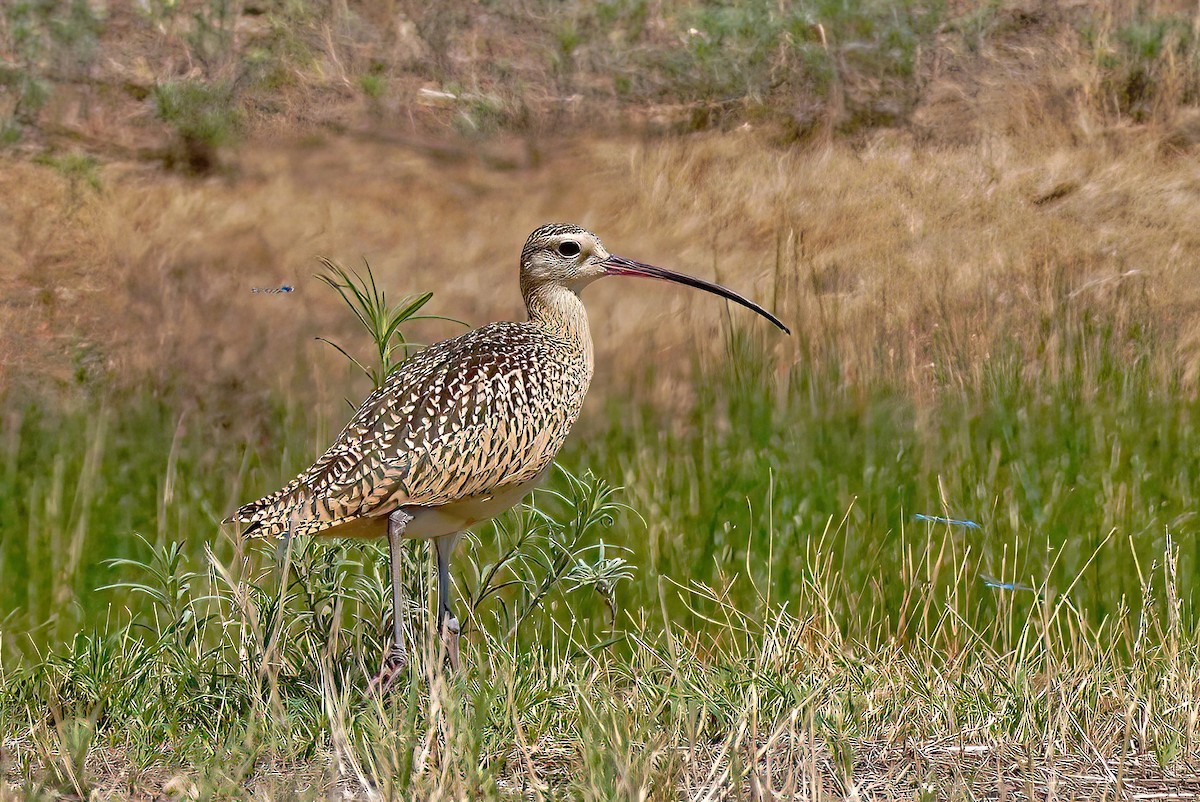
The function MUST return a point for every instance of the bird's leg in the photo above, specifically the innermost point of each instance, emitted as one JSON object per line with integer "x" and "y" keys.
{"x": 397, "y": 655}
{"x": 447, "y": 622}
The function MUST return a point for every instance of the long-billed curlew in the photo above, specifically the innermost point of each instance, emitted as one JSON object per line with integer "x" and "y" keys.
{"x": 466, "y": 428}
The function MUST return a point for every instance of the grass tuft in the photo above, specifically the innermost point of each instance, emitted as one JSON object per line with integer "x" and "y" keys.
{"x": 204, "y": 118}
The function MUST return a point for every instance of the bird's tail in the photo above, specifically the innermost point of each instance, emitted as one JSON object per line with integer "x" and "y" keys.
{"x": 290, "y": 511}
{"x": 274, "y": 515}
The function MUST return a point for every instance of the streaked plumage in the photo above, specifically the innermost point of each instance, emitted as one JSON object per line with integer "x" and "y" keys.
{"x": 465, "y": 418}
{"x": 464, "y": 429}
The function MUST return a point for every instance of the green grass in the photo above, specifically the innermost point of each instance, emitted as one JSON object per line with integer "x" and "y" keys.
{"x": 1058, "y": 480}
{"x": 205, "y": 118}
{"x": 1150, "y": 66}
{"x": 779, "y": 598}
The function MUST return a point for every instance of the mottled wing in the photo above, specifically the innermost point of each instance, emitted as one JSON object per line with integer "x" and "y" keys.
{"x": 463, "y": 418}
{"x": 504, "y": 414}
{"x": 338, "y": 486}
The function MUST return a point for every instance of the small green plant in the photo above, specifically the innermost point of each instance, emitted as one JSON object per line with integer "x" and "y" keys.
{"x": 167, "y": 582}
{"x": 381, "y": 320}
{"x": 602, "y": 574}
{"x": 569, "y": 37}
{"x": 79, "y": 169}
{"x": 547, "y": 549}
{"x": 373, "y": 85}
{"x": 205, "y": 118}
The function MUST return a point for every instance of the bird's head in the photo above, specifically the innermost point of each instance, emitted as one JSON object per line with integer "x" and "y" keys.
{"x": 572, "y": 257}
{"x": 560, "y": 253}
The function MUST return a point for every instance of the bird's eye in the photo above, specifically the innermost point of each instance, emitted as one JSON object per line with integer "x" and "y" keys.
{"x": 569, "y": 248}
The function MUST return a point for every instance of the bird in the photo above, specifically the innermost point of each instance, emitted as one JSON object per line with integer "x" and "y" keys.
{"x": 464, "y": 429}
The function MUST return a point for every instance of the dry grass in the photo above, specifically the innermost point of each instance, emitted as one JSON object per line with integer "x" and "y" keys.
{"x": 1023, "y": 181}
{"x": 784, "y": 763}
{"x": 906, "y": 261}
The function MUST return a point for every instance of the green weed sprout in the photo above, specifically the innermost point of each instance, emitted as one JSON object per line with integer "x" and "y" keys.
{"x": 382, "y": 321}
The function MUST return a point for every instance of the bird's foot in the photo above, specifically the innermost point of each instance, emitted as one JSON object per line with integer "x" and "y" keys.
{"x": 450, "y": 632}
{"x": 393, "y": 666}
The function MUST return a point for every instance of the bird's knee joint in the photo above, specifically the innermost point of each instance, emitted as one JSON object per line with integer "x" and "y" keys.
{"x": 398, "y": 521}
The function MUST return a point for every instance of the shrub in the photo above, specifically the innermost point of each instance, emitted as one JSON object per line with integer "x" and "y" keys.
{"x": 205, "y": 118}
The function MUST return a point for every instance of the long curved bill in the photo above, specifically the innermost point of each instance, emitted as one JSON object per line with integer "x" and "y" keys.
{"x": 620, "y": 266}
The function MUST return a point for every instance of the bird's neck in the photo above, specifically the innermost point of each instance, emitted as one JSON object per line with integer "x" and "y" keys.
{"x": 559, "y": 311}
